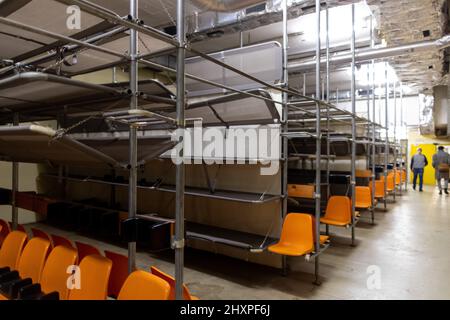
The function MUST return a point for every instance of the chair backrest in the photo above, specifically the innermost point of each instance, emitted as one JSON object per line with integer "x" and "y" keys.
{"x": 12, "y": 249}
{"x": 363, "y": 194}
{"x": 61, "y": 241}
{"x": 379, "y": 189}
{"x": 171, "y": 281}
{"x": 19, "y": 227}
{"x": 339, "y": 208}
{"x": 142, "y": 285}
{"x": 119, "y": 272}
{"x": 298, "y": 228}
{"x": 301, "y": 191}
{"x": 94, "y": 277}
{"x": 54, "y": 276}
{"x": 398, "y": 177}
{"x": 37, "y": 233}
{"x": 363, "y": 173}
{"x": 5, "y": 230}
{"x": 391, "y": 181}
{"x": 32, "y": 260}
{"x": 85, "y": 250}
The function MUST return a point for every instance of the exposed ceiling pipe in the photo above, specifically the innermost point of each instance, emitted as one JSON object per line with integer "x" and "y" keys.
{"x": 369, "y": 54}
{"x": 225, "y": 5}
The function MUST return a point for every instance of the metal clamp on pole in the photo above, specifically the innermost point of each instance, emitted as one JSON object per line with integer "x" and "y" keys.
{"x": 178, "y": 244}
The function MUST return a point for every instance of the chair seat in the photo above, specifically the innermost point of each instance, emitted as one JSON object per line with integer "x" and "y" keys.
{"x": 324, "y": 239}
{"x": 363, "y": 205}
{"x": 333, "y": 222}
{"x": 287, "y": 249}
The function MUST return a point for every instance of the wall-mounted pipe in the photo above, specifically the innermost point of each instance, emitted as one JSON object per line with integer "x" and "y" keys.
{"x": 225, "y": 5}
{"x": 370, "y": 54}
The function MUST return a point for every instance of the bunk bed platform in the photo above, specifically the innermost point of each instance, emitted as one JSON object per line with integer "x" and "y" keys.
{"x": 242, "y": 240}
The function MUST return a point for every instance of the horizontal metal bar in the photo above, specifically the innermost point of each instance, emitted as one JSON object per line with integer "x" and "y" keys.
{"x": 112, "y": 17}
{"x": 53, "y": 35}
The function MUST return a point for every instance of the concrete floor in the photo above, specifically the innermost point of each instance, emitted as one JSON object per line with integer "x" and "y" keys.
{"x": 409, "y": 246}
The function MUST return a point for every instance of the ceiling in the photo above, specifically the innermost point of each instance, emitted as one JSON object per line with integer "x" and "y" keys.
{"x": 408, "y": 21}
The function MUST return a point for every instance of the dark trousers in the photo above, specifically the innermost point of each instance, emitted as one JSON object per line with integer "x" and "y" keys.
{"x": 418, "y": 172}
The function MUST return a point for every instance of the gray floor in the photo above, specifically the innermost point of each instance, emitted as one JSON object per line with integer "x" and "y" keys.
{"x": 409, "y": 246}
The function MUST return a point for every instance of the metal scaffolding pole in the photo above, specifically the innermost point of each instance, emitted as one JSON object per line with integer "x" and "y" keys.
{"x": 353, "y": 89}
{"x": 15, "y": 185}
{"x": 387, "y": 149}
{"x": 374, "y": 148}
{"x": 405, "y": 127}
{"x": 285, "y": 81}
{"x": 132, "y": 188}
{"x": 179, "y": 241}
{"x": 395, "y": 142}
{"x": 327, "y": 23}
{"x": 318, "y": 147}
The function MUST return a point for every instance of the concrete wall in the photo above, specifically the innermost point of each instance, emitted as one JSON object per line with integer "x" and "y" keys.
{"x": 27, "y": 182}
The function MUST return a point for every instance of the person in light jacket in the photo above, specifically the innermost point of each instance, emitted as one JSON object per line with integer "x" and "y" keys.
{"x": 418, "y": 164}
{"x": 441, "y": 162}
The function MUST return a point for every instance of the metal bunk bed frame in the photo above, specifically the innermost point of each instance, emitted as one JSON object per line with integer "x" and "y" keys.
{"x": 135, "y": 25}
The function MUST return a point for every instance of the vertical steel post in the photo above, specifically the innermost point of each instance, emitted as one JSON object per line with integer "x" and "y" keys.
{"x": 179, "y": 241}
{"x": 318, "y": 145}
{"x": 374, "y": 148}
{"x": 285, "y": 82}
{"x": 387, "y": 148}
{"x": 327, "y": 23}
{"x": 353, "y": 89}
{"x": 405, "y": 149}
{"x": 395, "y": 141}
{"x": 304, "y": 84}
{"x": 15, "y": 185}
{"x": 132, "y": 183}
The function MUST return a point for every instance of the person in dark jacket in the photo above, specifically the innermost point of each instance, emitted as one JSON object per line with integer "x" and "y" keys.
{"x": 418, "y": 164}
{"x": 441, "y": 164}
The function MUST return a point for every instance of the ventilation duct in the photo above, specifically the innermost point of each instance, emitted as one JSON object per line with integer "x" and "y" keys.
{"x": 225, "y": 5}
{"x": 369, "y": 54}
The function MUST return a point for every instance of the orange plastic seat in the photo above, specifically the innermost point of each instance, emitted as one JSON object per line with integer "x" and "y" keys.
{"x": 37, "y": 233}
{"x": 403, "y": 175}
{"x": 338, "y": 212}
{"x": 390, "y": 182}
{"x": 142, "y": 285}
{"x": 94, "y": 277}
{"x": 85, "y": 250}
{"x": 61, "y": 241}
{"x": 398, "y": 178}
{"x": 5, "y": 230}
{"x": 379, "y": 189}
{"x": 119, "y": 272}
{"x": 363, "y": 173}
{"x": 171, "y": 281}
{"x": 33, "y": 258}
{"x": 30, "y": 265}
{"x": 54, "y": 276}
{"x": 363, "y": 198}
{"x": 12, "y": 249}
{"x": 297, "y": 238}
{"x": 301, "y": 191}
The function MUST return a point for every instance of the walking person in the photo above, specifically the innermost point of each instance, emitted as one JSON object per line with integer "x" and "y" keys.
{"x": 441, "y": 162}
{"x": 418, "y": 164}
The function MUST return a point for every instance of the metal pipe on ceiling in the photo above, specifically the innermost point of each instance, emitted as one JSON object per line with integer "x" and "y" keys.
{"x": 225, "y": 5}
{"x": 372, "y": 53}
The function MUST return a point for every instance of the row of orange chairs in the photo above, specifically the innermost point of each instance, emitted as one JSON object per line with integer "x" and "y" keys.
{"x": 117, "y": 276}
{"x": 26, "y": 273}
